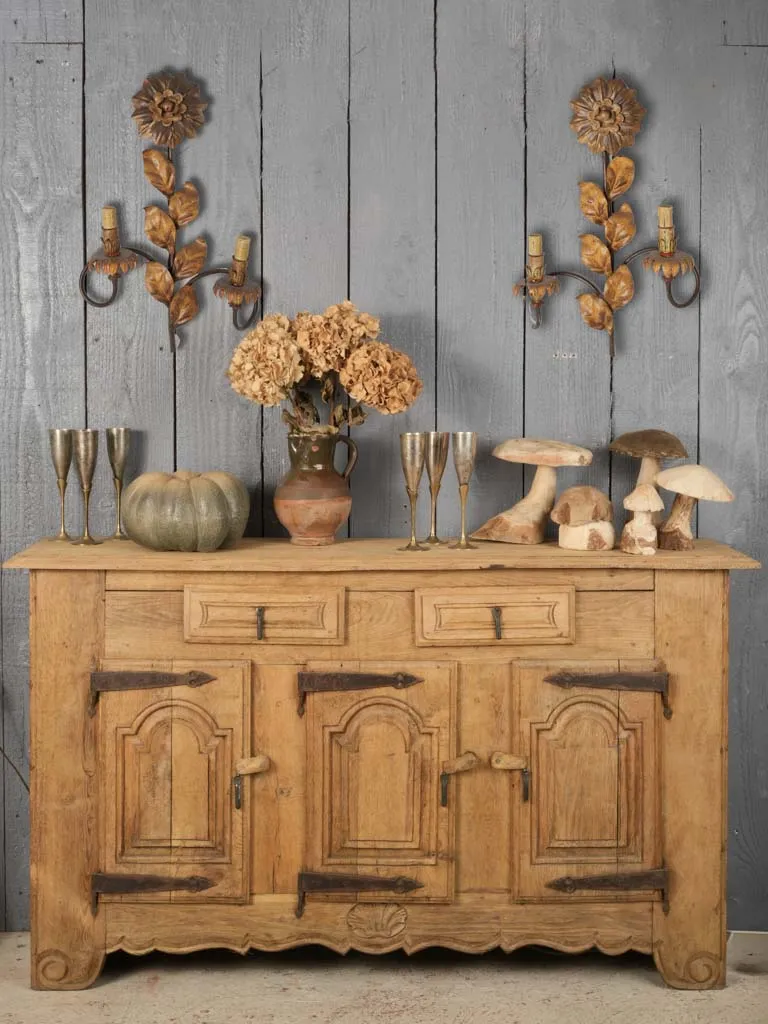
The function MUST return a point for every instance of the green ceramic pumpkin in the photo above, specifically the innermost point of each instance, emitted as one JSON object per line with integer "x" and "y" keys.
{"x": 186, "y": 511}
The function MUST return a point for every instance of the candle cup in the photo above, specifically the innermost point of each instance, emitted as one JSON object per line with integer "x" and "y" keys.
{"x": 61, "y": 454}
{"x": 412, "y": 451}
{"x": 86, "y": 446}
{"x": 118, "y": 446}
{"x": 464, "y": 452}
{"x": 437, "y": 444}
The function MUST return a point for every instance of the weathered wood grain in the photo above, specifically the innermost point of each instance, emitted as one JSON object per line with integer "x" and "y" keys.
{"x": 392, "y": 233}
{"x": 45, "y": 21}
{"x": 304, "y": 130}
{"x": 480, "y": 219}
{"x": 734, "y": 399}
{"x": 41, "y": 371}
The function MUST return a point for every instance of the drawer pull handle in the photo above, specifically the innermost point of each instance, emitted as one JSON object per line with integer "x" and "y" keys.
{"x": 496, "y": 613}
{"x": 463, "y": 763}
{"x": 248, "y": 766}
{"x": 260, "y": 622}
{"x": 513, "y": 763}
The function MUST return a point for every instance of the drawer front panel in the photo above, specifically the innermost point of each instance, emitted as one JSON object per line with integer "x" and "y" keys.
{"x": 474, "y": 616}
{"x": 220, "y": 616}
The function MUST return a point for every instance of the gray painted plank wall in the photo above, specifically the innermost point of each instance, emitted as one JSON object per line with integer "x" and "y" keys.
{"x": 397, "y": 152}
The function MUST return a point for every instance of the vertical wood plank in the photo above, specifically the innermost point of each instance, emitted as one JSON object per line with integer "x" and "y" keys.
{"x": 480, "y": 226}
{"x": 692, "y": 641}
{"x": 392, "y": 231}
{"x": 305, "y": 93}
{"x": 67, "y": 637}
{"x": 734, "y": 400}
{"x": 45, "y": 21}
{"x": 41, "y": 371}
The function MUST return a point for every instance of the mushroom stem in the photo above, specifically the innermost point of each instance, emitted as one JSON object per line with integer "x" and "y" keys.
{"x": 593, "y": 536}
{"x": 649, "y": 467}
{"x": 675, "y": 533}
{"x": 639, "y": 536}
{"x": 526, "y": 521}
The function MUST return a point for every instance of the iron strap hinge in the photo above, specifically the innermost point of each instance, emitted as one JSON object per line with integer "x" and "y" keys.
{"x": 644, "y": 682}
{"x": 317, "y": 881}
{"x": 628, "y": 881}
{"x": 109, "y": 682}
{"x": 328, "y": 682}
{"x": 102, "y": 883}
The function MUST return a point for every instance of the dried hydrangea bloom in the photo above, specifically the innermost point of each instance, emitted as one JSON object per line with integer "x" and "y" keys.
{"x": 353, "y": 325}
{"x": 267, "y": 362}
{"x": 323, "y": 345}
{"x": 378, "y": 375}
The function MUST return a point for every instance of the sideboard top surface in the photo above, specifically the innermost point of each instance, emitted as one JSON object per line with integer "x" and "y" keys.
{"x": 267, "y": 555}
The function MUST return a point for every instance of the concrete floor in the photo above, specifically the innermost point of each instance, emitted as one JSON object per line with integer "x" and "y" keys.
{"x": 435, "y": 987}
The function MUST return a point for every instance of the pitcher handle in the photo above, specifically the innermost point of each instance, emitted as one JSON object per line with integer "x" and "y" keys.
{"x": 351, "y": 456}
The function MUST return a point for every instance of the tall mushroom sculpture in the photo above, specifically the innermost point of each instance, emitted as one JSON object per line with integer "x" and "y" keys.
{"x": 639, "y": 536}
{"x": 651, "y": 446}
{"x": 690, "y": 484}
{"x": 526, "y": 521}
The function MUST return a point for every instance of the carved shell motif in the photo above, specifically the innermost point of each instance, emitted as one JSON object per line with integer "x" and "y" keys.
{"x": 377, "y": 922}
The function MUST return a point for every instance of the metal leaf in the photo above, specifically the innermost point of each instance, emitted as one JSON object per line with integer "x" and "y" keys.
{"x": 593, "y": 202}
{"x": 595, "y": 312}
{"x": 184, "y": 205}
{"x": 620, "y": 227}
{"x": 158, "y": 282}
{"x": 190, "y": 259}
{"x": 159, "y": 228}
{"x": 159, "y": 171}
{"x": 595, "y": 254}
{"x": 619, "y": 288}
{"x": 184, "y": 306}
{"x": 619, "y": 175}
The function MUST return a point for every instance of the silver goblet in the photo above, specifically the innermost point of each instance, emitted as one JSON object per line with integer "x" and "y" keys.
{"x": 464, "y": 452}
{"x": 86, "y": 451}
{"x": 118, "y": 446}
{"x": 61, "y": 453}
{"x": 437, "y": 444}
{"x": 412, "y": 448}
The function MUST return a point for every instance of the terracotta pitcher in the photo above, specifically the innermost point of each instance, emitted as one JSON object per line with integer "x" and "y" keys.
{"x": 313, "y": 500}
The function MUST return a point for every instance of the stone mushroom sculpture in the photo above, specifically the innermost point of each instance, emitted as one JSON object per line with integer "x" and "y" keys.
{"x": 640, "y": 536}
{"x": 651, "y": 446}
{"x": 690, "y": 484}
{"x": 526, "y": 521}
{"x": 585, "y": 517}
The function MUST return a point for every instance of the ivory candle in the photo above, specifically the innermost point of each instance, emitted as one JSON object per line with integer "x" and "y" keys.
{"x": 535, "y": 245}
{"x": 108, "y": 217}
{"x": 242, "y": 248}
{"x": 666, "y": 216}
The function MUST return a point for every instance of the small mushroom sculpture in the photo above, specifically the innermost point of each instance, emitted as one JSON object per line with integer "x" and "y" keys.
{"x": 690, "y": 484}
{"x": 585, "y": 517}
{"x": 651, "y": 446}
{"x": 526, "y": 521}
{"x": 640, "y": 536}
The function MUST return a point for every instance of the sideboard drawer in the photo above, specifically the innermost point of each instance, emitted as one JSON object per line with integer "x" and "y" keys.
{"x": 268, "y": 616}
{"x": 468, "y": 616}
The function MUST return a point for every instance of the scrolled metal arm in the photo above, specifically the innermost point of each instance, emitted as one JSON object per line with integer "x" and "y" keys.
{"x": 675, "y": 302}
{"x": 99, "y": 303}
{"x": 245, "y": 324}
{"x": 576, "y": 277}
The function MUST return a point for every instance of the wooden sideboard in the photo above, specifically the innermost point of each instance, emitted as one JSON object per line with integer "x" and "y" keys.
{"x": 374, "y": 749}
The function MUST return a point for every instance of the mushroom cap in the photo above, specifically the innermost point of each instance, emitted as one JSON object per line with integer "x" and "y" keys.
{"x": 582, "y": 504}
{"x": 695, "y": 482}
{"x": 644, "y": 498}
{"x": 535, "y": 452}
{"x": 656, "y": 444}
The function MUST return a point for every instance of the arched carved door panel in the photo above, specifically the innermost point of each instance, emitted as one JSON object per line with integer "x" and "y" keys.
{"x": 374, "y": 759}
{"x": 593, "y": 797}
{"x": 169, "y": 756}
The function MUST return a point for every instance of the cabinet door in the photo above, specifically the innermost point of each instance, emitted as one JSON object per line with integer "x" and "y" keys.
{"x": 593, "y": 800}
{"x": 168, "y": 757}
{"x": 374, "y": 758}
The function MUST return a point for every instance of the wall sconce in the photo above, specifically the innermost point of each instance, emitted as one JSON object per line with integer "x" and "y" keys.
{"x": 168, "y": 109}
{"x": 607, "y": 117}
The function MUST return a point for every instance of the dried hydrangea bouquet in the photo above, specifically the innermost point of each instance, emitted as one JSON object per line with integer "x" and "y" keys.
{"x": 321, "y": 356}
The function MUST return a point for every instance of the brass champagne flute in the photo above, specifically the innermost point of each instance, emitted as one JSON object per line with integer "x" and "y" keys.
{"x": 118, "y": 446}
{"x": 464, "y": 452}
{"x": 61, "y": 453}
{"x": 86, "y": 449}
{"x": 412, "y": 448}
{"x": 436, "y": 457}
